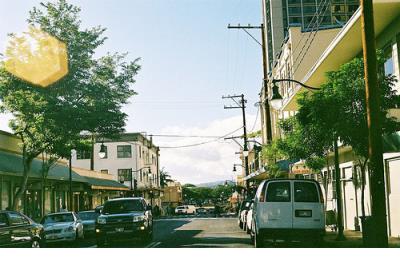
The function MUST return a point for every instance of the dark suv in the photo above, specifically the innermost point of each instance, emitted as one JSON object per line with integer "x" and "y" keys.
{"x": 124, "y": 219}
{"x": 17, "y": 230}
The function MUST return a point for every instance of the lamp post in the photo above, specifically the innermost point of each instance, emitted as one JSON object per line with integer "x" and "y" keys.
{"x": 276, "y": 100}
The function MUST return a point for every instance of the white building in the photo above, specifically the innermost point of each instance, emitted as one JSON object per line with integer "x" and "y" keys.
{"x": 131, "y": 159}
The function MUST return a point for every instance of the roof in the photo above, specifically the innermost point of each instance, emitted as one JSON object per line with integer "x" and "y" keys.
{"x": 11, "y": 164}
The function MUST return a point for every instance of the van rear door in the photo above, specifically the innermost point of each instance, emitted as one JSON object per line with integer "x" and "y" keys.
{"x": 308, "y": 210}
{"x": 276, "y": 210}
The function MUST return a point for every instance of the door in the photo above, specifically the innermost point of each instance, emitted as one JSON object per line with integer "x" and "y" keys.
{"x": 350, "y": 207}
{"x": 20, "y": 230}
{"x": 276, "y": 211}
{"x": 308, "y": 211}
{"x": 394, "y": 197}
{"x": 4, "y": 231}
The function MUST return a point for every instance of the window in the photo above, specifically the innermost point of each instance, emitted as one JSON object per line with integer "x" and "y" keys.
{"x": 124, "y": 151}
{"x": 104, "y": 171}
{"x": 3, "y": 220}
{"x": 83, "y": 154}
{"x": 124, "y": 175}
{"x": 120, "y": 207}
{"x": 305, "y": 192}
{"x": 388, "y": 65}
{"x": 16, "y": 219}
{"x": 278, "y": 192}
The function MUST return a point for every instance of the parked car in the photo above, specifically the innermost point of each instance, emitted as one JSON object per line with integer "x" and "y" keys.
{"x": 18, "y": 230}
{"x": 185, "y": 210}
{"x": 244, "y": 207}
{"x": 288, "y": 209}
{"x": 98, "y": 208}
{"x": 201, "y": 211}
{"x": 249, "y": 219}
{"x": 124, "y": 219}
{"x": 88, "y": 219}
{"x": 62, "y": 227}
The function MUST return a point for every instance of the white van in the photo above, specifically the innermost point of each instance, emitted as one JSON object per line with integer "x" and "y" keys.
{"x": 288, "y": 209}
{"x": 185, "y": 209}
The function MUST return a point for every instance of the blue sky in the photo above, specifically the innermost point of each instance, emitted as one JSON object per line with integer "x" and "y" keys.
{"x": 189, "y": 60}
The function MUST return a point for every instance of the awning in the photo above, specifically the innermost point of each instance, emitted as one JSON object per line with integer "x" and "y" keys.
{"x": 11, "y": 164}
{"x": 104, "y": 184}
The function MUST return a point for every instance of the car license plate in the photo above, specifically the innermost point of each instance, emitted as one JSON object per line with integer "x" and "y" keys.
{"x": 119, "y": 229}
{"x": 303, "y": 213}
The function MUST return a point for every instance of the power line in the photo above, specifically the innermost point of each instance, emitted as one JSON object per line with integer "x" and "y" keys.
{"x": 255, "y": 121}
{"x": 313, "y": 34}
{"x": 201, "y": 143}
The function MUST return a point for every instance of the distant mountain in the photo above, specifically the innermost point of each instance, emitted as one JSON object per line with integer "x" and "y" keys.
{"x": 216, "y": 183}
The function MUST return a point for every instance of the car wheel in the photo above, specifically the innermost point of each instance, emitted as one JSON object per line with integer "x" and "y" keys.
{"x": 240, "y": 224}
{"x": 244, "y": 226}
{"x": 36, "y": 243}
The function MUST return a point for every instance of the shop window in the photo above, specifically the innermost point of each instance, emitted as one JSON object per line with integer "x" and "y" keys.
{"x": 124, "y": 175}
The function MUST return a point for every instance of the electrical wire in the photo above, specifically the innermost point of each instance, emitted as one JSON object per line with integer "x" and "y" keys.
{"x": 255, "y": 121}
{"x": 327, "y": 2}
{"x": 201, "y": 143}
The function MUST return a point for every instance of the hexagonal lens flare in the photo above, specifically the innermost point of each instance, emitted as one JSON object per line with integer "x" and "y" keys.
{"x": 37, "y": 57}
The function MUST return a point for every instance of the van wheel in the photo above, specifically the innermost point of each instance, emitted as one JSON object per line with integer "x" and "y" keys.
{"x": 240, "y": 224}
{"x": 258, "y": 240}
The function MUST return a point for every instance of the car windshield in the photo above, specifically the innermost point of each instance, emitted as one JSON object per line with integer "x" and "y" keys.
{"x": 88, "y": 215}
{"x": 119, "y": 207}
{"x": 59, "y": 218}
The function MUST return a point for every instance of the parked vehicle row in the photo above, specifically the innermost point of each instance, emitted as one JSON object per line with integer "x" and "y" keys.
{"x": 287, "y": 209}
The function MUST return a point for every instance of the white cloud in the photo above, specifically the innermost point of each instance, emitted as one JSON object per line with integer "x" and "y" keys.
{"x": 4, "y": 119}
{"x": 204, "y": 163}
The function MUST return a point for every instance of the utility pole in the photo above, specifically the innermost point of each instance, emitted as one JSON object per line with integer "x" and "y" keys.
{"x": 372, "y": 94}
{"x": 241, "y": 105}
{"x": 265, "y": 102}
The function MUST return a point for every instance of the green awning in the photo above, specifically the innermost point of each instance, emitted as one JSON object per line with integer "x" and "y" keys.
{"x": 11, "y": 164}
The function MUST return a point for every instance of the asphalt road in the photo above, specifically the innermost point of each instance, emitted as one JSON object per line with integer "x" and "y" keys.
{"x": 195, "y": 232}
{"x": 183, "y": 232}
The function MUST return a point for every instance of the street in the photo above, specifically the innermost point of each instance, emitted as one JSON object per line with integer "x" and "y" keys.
{"x": 185, "y": 232}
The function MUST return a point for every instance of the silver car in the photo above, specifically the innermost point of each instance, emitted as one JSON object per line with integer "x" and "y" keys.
{"x": 62, "y": 226}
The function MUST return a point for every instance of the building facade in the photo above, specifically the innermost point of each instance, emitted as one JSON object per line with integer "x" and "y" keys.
{"x": 131, "y": 158}
{"x": 309, "y": 15}
{"x": 342, "y": 48}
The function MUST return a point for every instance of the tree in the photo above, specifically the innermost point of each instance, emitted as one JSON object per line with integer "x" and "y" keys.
{"x": 164, "y": 176}
{"x": 347, "y": 87}
{"x": 339, "y": 110}
{"x": 90, "y": 97}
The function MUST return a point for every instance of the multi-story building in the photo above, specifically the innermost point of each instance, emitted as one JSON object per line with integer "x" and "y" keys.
{"x": 131, "y": 158}
{"x": 342, "y": 48}
{"x": 309, "y": 15}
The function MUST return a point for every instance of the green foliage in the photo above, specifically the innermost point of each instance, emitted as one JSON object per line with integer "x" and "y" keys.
{"x": 254, "y": 134}
{"x": 164, "y": 175}
{"x": 202, "y": 195}
{"x": 89, "y": 97}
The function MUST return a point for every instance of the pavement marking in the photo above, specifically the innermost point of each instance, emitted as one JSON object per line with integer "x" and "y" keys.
{"x": 94, "y": 246}
{"x": 156, "y": 244}
{"x": 150, "y": 245}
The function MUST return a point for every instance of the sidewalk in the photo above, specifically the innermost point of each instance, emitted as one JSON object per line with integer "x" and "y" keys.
{"x": 353, "y": 240}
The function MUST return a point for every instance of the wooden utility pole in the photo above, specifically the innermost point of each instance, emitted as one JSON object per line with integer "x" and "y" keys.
{"x": 265, "y": 102}
{"x": 241, "y": 105}
{"x": 379, "y": 237}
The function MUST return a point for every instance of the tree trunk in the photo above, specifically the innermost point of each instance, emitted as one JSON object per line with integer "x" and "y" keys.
{"x": 27, "y": 162}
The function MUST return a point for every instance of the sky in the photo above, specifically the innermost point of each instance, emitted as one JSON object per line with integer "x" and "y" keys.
{"x": 189, "y": 60}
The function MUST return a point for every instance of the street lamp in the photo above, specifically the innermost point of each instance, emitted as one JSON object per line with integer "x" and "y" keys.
{"x": 102, "y": 152}
{"x": 276, "y": 98}
{"x": 234, "y": 167}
